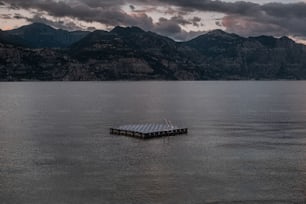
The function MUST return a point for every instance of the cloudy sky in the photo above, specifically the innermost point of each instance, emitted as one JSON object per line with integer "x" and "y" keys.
{"x": 178, "y": 19}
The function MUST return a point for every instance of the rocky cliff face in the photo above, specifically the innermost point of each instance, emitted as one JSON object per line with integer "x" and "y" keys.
{"x": 228, "y": 56}
{"x": 133, "y": 54}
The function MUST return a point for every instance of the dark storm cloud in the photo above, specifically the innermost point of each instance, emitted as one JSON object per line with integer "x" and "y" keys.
{"x": 210, "y": 5}
{"x": 241, "y": 17}
{"x": 105, "y": 12}
{"x": 180, "y": 20}
{"x": 273, "y": 19}
{"x": 170, "y": 27}
{"x": 250, "y": 18}
{"x": 132, "y": 7}
{"x": 55, "y": 23}
{"x": 285, "y": 10}
{"x": 195, "y": 21}
{"x": 167, "y": 26}
{"x": 18, "y": 16}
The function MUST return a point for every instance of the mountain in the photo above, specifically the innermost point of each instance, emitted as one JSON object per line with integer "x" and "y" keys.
{"x": 38, "y": 35}
{"x": 229, "y": 56}
{"x": 130, "y": 37}
{"x": 134, "y": 54}
{"x": 10, "y": 39}
{"x": 215, "y": 38}
{"x": 137, "y": 38}
{"x": 129, "y": 53}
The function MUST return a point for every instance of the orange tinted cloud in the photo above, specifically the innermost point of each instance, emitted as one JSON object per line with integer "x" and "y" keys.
{"x": 7, "y": 27}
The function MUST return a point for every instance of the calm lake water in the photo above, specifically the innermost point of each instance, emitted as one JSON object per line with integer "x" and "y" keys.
{"x": 246, "y": 143}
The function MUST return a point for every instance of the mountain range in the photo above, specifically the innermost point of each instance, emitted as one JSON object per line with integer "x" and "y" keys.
{"x": 38, "y": 35}
{"x": 40, "y": 52}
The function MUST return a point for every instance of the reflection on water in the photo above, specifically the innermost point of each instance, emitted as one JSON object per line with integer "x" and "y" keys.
{"x": 247, "y": 143}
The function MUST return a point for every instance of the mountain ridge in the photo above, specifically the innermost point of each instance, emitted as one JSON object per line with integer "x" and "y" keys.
{"x": 39, "y": 35}
{"x": 117, "y": 29}
{"x": 130, "y": 53}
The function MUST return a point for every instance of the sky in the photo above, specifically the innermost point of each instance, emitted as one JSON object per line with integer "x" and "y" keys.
{"x": 178, "y": 19}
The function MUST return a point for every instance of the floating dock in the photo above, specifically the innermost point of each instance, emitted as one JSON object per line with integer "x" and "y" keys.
{"x": 148, "y": 130}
